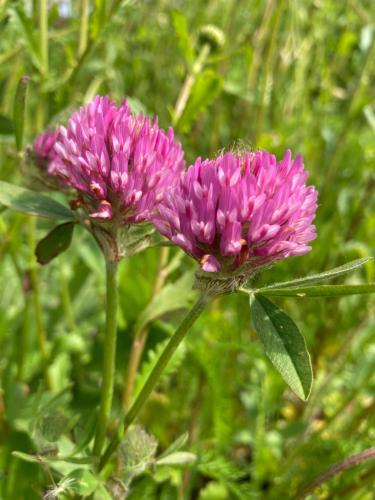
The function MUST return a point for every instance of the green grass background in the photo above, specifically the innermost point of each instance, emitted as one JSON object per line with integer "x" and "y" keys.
{"x": 291, "y": 74}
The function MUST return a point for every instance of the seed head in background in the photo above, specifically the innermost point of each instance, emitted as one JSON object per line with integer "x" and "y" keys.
{"x": 239, "y": 213}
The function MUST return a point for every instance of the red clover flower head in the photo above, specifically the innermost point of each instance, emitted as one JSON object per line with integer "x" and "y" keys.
{"x": 238, "y": 213}
{"x": 119, "y": 163}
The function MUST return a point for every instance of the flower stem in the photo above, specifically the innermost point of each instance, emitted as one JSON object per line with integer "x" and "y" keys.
{"x": 155, "y": 374}
{"x": 109, "y": 355}
{"x": 337, "y": 468}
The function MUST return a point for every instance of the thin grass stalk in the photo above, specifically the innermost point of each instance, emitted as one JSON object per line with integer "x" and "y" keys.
{"x": 268, "y": 75}
{"x": 83, "y": 27}
{"x": 187, "y": 86}
{"x": 336, "y": 469}
{"x": 43, "y": 35}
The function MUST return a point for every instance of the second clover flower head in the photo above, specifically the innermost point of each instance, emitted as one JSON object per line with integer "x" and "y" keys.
{"x": 38, "y": 160}
{"x": 43, "y": 150}
{"x": 119, "y": 163}
{"x": 239, "y": 213}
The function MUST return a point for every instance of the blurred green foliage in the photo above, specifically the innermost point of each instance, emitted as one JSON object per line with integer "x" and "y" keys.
{"x": 290, "y": 74}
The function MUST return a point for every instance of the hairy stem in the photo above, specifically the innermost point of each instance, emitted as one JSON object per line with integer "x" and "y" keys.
{"x": 109, "y": 356}
{"x": 155, "y": 374}
{"x": 337, "y": 468}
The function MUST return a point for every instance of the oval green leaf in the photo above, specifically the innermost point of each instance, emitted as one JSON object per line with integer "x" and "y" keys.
{"x": 32, "y": 203}
{"x": 284, "y": 345}
{"x": 177, "y": 458}
{"x": 176, "y": 445}
{"x": 84, "y": 482}
{"x": 57, "y": 241}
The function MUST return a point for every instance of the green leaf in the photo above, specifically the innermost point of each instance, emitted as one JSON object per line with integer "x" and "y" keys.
{"x": 84, "y": 483}
{"x": 19, "y": 111}
{"x": 182, "y": 32}
{"x": 84, "y": 431}
{"x": 138, "y": 447}
{"x": 57, "y": 241}
{"x": 101, "y": 493}
{"x": 176, "y": 445}
{"x": 32, "y": 203}
{"x": 321, "y": 291}
{"x": 51, "y": 426}
{"x": 316, "y": 278}
{"x": 284, "y": 345}
{"x": 172, "y": 297}
{"x": 56, "y": 401}
{"x": 177, "y": 458}
{"x": 206, "y": 88}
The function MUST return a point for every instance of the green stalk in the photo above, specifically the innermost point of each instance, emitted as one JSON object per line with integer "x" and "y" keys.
{"x": 269, "y": 74}
{"x": 109, "y": 355}
{"x": 84, "y": 27}
{"x": 155, "y": 374}
{"x": 91, "y": 45}
{"x": 339, "y": 467}
{"x": 189, "y": 82}
{"x": 43, "y": 34}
